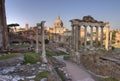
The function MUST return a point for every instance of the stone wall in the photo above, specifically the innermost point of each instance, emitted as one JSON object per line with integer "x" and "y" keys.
{"x": 94, "y": 63}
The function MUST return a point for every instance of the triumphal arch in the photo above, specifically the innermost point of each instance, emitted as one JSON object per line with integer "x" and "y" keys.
{"x": 98, "y": 30}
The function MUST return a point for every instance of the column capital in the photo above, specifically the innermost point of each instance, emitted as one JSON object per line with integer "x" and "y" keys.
{"x": 85, "y": 26}
{"x": 96, "y": 26}
{"x": 72, "y": 25}
{"x": 42, "y": 23}
{"x": 101, "y": 26}
{"x": 90, "y": 26}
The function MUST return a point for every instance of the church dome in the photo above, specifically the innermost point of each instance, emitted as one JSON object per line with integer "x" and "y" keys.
{"x": 58, "y": 22}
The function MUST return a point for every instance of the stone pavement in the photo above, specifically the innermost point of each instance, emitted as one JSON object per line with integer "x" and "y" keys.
{"x": 77, "y": 72}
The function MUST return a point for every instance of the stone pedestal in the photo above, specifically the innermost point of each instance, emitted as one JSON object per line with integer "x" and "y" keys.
{"x": 77, "y": 57}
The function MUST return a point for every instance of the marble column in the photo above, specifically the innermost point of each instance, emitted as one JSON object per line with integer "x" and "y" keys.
{"x": 37, "y": 49}
{"x": 77, "y": 42}
{"x": 107, "y": 36}
{"x": 111, "y": 38}
{"x": 72, "y": 43}
{"x": 76, "y": 38}
{"x": 69, "y": 42}
{"x": 79, "y": 37}
{"x": 91, "y": 37}
{"x": 101, "y": 38}
{"x": 43, "y": 43}
{"x": 72, "y": 39}
{"x": 96, "y": 38}
{"x": 85, "y": 36}
{"x": 1, "y": 41}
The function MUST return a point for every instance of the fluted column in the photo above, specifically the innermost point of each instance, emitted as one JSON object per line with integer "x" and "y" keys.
{"x": 85, "y": 36}
{"x": 96, "y": 38}
{"x": 91, "y": 37}
{"x": 107, "y": 36}
{"x": 101, "y": 38}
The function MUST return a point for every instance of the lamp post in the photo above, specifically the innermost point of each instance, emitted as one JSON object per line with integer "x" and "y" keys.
{"x": 43, "y": 43}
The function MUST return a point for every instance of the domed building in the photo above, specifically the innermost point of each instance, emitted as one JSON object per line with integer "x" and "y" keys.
{"x": 58, "y": 22}
{"x": 58, "y": 30}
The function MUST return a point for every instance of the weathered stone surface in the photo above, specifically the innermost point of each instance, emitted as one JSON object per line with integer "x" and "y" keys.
{"x": 103, "y": 66}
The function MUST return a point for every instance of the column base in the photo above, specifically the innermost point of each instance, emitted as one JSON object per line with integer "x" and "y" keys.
{"x": 77, "y": 58}
{"x": 37, "y": 50}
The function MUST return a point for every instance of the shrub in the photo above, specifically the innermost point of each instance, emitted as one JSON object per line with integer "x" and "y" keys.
{"x": 44, "y": 74}
{"x": 46, "y": 41}
{"x": 50, "y": 53}
{"x": 31, "y": 57}
{"x": 53, "y": 53}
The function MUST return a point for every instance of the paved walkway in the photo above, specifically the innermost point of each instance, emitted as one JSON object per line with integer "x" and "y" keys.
{"x": 76, "y": 71}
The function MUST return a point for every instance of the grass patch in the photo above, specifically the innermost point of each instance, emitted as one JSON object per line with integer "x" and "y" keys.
{"x": 44, "y": 74}
{"x": 31, "y": 57}
{"x": 52, "y": 53}
{"x": 7, "y": 56}
{"x": 60, "y": 74}
{"x": 107, "y": 79}
{"x": 19, "y": 45}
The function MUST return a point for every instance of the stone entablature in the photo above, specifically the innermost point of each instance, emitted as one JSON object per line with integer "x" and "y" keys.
{"x": 87, "y": 21}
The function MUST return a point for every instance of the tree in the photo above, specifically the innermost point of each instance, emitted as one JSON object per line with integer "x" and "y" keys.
{"x": 11, "y": 33}
{"x": 13, "y": 25}
{"x": 46, "y": 41}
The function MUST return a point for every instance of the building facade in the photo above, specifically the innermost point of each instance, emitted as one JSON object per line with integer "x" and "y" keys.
{"x": 58, "y": 30}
